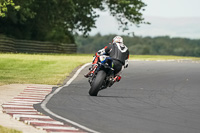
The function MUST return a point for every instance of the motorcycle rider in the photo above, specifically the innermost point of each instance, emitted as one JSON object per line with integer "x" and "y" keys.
{"x": 118, "y": 52}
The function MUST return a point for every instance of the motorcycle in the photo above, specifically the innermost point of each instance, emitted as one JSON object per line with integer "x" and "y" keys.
{"x": 102, "y": 75}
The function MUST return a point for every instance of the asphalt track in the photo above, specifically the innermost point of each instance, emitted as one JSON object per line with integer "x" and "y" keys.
{"x": 152, "y": 97}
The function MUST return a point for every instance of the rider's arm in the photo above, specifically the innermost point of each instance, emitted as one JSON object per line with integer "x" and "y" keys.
{"x": 126, "y": 61}
{"x": 101, "y": 52}
{"x": 104, "y": 51}
{"x": 108, "y": 49}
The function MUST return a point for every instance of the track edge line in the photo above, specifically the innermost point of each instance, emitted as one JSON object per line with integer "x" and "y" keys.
{"x": 44, "y": 107}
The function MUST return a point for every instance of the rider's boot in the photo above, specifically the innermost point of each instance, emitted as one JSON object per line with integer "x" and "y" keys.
{"x": 88, "y": 74}
{"x": 113, "y": 80}
{"x": 117, "y": 78}
{"x": 91, "y": 71}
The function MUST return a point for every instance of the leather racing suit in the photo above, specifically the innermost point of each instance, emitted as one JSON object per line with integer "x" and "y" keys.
{"x": 119, "y": 53}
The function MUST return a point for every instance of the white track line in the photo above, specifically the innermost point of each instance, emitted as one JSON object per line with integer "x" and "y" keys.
{"x": 40, "y": 87}
{"x": 15, "y": 106}
{"x": 18, "y": 116}
{"x": 20, "y": 110}
{"x": 33, "y": 92}
{"x": 32, "y": 97}
{"x": 67, "y": 132}
{"x": 58, "y": 128}
{"x": 43, "y": 105}
{"x": 30, "y": 89}
{"x": 36, "y": 92}
{"x": 43, "y": 122}
{"x": 25, "y": 104}
{"x": 26, "y": 100}
{"x": 24, "y": 113}
{"x": 22, "y": 102}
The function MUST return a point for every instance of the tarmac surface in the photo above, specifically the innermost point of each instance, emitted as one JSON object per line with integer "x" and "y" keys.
{"x": 152, "y": 97}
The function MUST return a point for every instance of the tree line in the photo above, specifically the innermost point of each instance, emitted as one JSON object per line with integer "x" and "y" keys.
{"x": 60, "y": 20}
{"x": 162, "y": 45}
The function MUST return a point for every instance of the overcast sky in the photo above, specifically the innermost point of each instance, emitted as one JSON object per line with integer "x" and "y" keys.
{"x": 175, "y": 18}
{"x": 172, "y": 8}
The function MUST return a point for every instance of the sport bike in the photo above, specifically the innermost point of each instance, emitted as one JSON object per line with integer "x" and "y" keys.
{"x": 102, "y": 75}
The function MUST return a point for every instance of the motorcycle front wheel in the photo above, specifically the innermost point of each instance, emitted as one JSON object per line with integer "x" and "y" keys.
{"x": 97, "y": 83}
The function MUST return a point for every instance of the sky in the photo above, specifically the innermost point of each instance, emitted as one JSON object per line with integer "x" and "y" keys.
{"x": 174, "y": 18}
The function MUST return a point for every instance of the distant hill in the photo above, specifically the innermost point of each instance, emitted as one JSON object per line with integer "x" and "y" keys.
{"x": 174, "y": 27}
{"x": 162, "y": 45}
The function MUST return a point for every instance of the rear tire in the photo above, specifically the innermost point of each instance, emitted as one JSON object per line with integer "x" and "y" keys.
{"x": 96, "y": 85}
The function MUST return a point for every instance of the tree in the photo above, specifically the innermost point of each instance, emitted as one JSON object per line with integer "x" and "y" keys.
{"x": 4, "y": 7}
{"x": 59, "y": 20}
{"x": 163, "y": 45}
{"x": 127, "y": 11}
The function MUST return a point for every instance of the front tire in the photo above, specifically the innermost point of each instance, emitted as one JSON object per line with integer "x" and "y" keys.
{"x": 97, "y": 83}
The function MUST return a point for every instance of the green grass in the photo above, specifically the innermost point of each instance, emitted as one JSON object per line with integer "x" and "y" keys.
{"x": 8, "y": 130}
{"x": 38, "y": 68}
{"x": 50, "y": 68}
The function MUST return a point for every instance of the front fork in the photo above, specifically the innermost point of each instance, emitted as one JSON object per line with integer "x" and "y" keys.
{"x": 93, "y": 69}
{"x": 92, "y": 73}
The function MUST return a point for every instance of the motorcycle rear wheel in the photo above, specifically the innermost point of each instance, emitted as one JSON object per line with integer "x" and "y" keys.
{"x": 97, "y": 83}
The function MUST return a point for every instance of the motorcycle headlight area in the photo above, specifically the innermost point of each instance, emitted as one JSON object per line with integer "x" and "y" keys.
{"x": 103, "y": 58}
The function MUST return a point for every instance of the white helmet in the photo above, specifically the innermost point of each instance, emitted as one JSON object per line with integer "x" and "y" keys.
{"x": 117, "y": 39}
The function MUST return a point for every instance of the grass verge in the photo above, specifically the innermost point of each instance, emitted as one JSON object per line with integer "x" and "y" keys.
{"x": 50, "y": 68}
{"x": 38, "y": 68}
{"x": 8, "y": 130}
